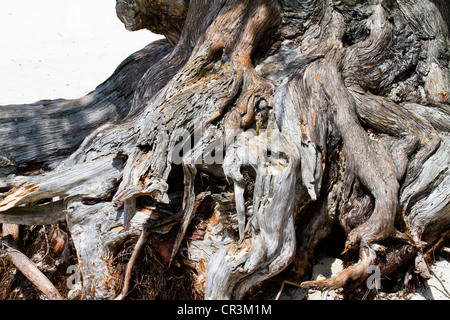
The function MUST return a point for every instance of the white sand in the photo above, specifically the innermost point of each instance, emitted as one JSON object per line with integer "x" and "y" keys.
{"x": 60, "y": 49}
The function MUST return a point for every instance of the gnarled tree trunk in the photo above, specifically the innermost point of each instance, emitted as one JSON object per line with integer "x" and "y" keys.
{"x": 287, "y": 119}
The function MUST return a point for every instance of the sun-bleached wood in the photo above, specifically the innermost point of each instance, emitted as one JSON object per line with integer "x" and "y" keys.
{"x": 338, "y": 111}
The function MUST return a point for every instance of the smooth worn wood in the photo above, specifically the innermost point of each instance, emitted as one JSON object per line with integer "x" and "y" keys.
{"x": 29, "y": 269}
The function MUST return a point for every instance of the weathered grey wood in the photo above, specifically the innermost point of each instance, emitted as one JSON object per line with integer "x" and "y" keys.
{"x": 313, "y": 114}
{"x": 64, "y": 124}
{"x": 263, "y": 246}
{"x": 45, "y": 214}
{"x": 165, "y": 18}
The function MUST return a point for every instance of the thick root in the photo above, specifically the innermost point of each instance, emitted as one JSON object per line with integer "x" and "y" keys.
{"x": 357, "y": 271}
{"x": 245, "y": 36}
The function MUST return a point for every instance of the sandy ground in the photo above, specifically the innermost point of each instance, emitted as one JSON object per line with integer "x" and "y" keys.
{"x": 63, "y": 49}
{"x": 60, "y": 49}
{"x": 436, "y": 288}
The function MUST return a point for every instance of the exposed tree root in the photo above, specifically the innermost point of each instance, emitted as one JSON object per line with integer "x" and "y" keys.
{"x": 235, "y": 269}
{"x": 357, "y": 271}
{"x": 29, "y": 269}
{"x": 136, "y": 251}
{"x": 342, "y": 119}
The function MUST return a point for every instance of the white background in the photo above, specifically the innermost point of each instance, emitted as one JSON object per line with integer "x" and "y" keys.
{"x": 60, "y": 48}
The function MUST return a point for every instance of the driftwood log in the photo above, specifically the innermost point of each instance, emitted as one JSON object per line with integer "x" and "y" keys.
{"x": 279, "y": 121}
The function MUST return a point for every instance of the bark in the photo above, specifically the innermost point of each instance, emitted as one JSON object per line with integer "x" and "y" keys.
{"x": 287, "y": 119}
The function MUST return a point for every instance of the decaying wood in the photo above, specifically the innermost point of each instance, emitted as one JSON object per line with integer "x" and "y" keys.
{"x": 28, "y": 268}
{"x": 309, "y": 116}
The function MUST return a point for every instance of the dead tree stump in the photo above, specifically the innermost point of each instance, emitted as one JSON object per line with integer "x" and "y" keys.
{"x": 278, "y": 121}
